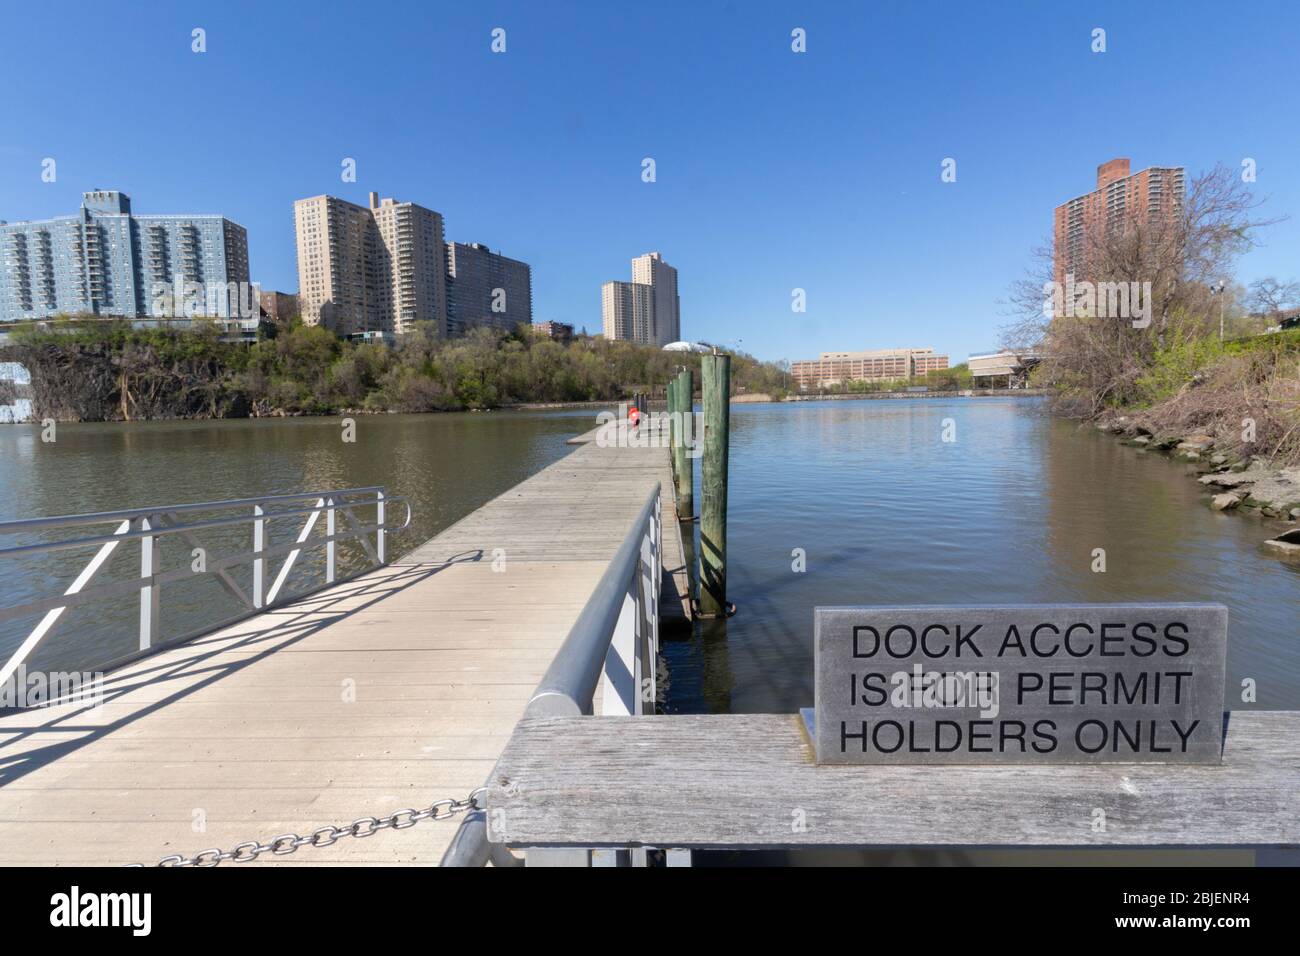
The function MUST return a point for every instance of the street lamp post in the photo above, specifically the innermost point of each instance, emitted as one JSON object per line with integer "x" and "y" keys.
{"x": 1218, "y": 289}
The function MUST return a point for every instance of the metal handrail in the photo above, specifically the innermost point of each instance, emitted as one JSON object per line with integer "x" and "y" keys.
{"x": 149, "y": 525}
{"x": 5, "y": 527}
{"x": 567, "y": 688}
{"x": 103, "y": 517}
{"x": 622, "y": 610}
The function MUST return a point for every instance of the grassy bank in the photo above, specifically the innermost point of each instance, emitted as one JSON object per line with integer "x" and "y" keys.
{"x": 110, "y": 371}
{"x": 1244, "y": 395}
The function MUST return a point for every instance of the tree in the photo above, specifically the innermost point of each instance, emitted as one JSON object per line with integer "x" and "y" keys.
{"x": 1272, "y": 297}
{"x": 1174, "y": 256}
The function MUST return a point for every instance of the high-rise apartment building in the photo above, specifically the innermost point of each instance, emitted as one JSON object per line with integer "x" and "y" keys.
{"x": 363, "y": 269}
{"x": 107, "y": 261}
{"x": 627, "y": 309}
{"x": 650, "y": 269}
{"x": 486, "y": 288}
{"x": 1120, "y": 200}
{"x": 838, "y": 368}
{"x": 647, "y": 309}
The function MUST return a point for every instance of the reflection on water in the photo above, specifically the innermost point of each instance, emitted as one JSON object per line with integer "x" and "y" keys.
{"x": 447, "y": 464}
{"x": 1011, "y": 511}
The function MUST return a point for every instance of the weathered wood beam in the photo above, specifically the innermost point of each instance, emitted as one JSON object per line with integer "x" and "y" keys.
{"x": 750, "y": 781}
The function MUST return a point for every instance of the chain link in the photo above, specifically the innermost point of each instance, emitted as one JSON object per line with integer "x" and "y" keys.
{"x": 288, "y": 843}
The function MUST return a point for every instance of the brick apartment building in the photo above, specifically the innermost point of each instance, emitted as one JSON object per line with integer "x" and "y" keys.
{"x": 881, "y": 365}
{"x": 1120, "y": 199}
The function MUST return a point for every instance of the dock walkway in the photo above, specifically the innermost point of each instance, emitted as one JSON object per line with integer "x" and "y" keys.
{"x": 393, "y": 690}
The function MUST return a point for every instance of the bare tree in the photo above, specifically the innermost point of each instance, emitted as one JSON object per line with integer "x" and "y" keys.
{"x": 1272, "y": 297}
{"x": 1173, "y": 250}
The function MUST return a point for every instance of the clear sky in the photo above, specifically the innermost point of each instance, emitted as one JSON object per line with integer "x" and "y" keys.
{"x": 775, "y": 170}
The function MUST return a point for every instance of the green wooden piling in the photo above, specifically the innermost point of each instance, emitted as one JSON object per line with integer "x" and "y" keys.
{"x": 685, "y": 470}
{"x": 715, "y": 375}
{"x": 672, "y": 430}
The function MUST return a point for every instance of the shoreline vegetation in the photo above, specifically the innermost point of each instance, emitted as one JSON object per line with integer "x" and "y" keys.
{"x": 108, "y": 370}
{"x": 89, "y": 369}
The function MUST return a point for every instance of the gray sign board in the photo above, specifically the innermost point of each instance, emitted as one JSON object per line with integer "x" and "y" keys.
{"x": 1027, "y": 684}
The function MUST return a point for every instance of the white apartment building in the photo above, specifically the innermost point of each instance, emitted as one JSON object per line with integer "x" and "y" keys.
{"x": 375, "y": 269}
{"x": 650, "y": 269}
{"x": 647, "y": 309}
{"x": 627, "y": 309}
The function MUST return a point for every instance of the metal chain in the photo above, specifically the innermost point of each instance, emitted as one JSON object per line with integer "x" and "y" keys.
{"x": 288, "y": 843}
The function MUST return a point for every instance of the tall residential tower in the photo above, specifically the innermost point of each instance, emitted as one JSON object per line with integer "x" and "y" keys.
{"x": 1120, "y": 199}
{"x": 647, "y": 309}
{"x": 370, "y": 269}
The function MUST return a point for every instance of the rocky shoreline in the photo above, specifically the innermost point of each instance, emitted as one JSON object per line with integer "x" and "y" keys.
{"x": 1249, "y": 483}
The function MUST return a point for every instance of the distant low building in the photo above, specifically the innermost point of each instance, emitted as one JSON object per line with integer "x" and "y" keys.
{"x": 555, "y": 331}
{"x": 374, "y": 337}
{"x": 880, "y": 365}
{"x": 279, "y": 307}
{"x": 1007, "y": 368}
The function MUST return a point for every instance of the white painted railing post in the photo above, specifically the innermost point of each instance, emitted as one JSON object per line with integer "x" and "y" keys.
{"x": 380, "y": 533}
{"x": 329, "y": 544}
{"x": 259, "y": 563}
{"x": 150, "y": 594}
{"x": 622, "y": 660}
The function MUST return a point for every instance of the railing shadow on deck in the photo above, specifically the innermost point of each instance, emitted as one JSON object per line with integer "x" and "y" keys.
{"x": 285, "y": 627}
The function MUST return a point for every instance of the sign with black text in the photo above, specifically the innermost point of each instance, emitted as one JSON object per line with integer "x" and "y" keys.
{"x": 1030, "y": 684}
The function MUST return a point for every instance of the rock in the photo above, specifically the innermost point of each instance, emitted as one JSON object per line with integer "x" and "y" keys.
{"x": 1218, "y": 458}
{"x": 1279, "y": 490}
{"x": 1191, "y": 456}
{"x": 1224, "y": 501}
{"x": 1165, "y": 442}
{"x": 1234, "y": 479}
{"x": 1287, "y": 543}
{"x": 1295, "y": 514}
{"x": 1196, "y": 443}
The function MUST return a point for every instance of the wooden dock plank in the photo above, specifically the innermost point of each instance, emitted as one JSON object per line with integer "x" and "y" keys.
{"x": 389, "y": 691}
{"x": 749, "y": 780}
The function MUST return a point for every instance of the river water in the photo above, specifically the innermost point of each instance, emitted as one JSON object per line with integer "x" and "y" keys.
{"x": 1011, "y": 510}
{"x": 884, "y": 510}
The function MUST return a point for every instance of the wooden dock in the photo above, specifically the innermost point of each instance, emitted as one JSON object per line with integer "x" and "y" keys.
{"x": 393, "y": 690}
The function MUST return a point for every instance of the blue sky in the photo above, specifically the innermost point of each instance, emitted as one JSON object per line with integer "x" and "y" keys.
{"x": 775, "y": 170}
